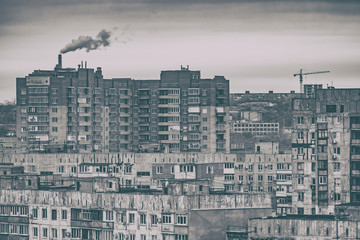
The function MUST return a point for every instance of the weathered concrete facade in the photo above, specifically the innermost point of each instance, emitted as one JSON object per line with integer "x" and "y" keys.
{"x": 111, "y": 215}
{"x": 303, "y": 228}
{"x": 325, "y": 150}
{"x": 77, "y": 110}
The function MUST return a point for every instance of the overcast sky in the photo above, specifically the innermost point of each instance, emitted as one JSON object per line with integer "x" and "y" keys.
{"x": 257, "y": 45}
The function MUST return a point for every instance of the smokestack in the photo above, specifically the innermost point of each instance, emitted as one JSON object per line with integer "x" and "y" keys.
{"x": 59, "y": 61}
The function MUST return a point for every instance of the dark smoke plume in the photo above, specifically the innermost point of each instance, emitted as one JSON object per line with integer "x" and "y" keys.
{"x": 87, "y": 42}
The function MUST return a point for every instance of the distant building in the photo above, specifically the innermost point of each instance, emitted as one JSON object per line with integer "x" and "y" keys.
{"x": 310, "y": 89}
{"x": 255, "y": 128}
{"x": 77, "y": 110}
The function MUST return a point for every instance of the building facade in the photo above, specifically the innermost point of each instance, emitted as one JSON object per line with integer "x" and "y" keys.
{"x": 35, "y": 214}
{"x": 325, "y": 150}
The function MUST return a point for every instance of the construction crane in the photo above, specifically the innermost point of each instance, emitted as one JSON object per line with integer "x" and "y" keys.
{"x": 301, "y": 77}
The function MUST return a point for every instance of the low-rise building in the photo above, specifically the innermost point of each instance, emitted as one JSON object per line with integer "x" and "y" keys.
{"x": 33, "y": 214}
{"x": 304, "y": 227}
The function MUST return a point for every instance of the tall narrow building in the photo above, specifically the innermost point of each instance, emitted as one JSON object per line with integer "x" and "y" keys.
{"x": 326, "y": 150}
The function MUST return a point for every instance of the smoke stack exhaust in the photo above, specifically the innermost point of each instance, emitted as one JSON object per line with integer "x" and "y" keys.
{"x": 88, "y": 43}
{"x": 59, "y": 61}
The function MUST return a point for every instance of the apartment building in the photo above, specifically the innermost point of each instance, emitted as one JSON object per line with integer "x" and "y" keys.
{"x": 303, "y": 227}
{"x": 255, "y": 128}
{"x": 77, "y": 110}
{"x": 33, "y": 214}
{"x": 310, "y": 89}
{"x": 325, "y": 150}
{"x": 266, "y": 170}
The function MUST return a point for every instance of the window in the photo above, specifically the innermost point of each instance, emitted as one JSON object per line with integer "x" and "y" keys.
{"x": 45, "y": 232}
{"x": 53, "y": 214}
{"x": 337, "y": 181}
{"x": 300, "y": 166}
{"x": 300, "y": 135}
{"x": 209, "y": 169}
{"x": 153, "y": 219}
{"x": 229, "y": 165}
{"x": 63, "y": 233}
{"x": 159, "y": 170}
{"x": 143, "y": 237}
{"x": 330, "y": 108}
{"x": 301, "y": 197}
{"x": 54, "y": 233}
{"x": 301, "y": 211}
{"x": 300, "y": 150}
{"x": 166, "y": 218}
{"x": 337, "y": 196}
{"x": 270, "y": 179}
{"x": 54, "y": 110}
{"x": 54, "y": 129}
{"x": 63, "y": 214}
{"x": 322, "y": 134}
{"x": 44, "y": 213}
{"x": 142, "y": 218}
{"x": 322, "y": 179}
{"x": 260, "y": 167}
{"x": 131, "y": 217}
{"x": 228, "y": 177}
{"x": 35, "y": 213}
{"x": 300, "y": 120}
{"x": 181, "y": 237}
{"x": 54, "y": 119}
{"x": 336, "y": 167}
{"x": 109, "y": 216}
{"x": 75, "y": 232}
{"x": 23, "y": 229}
{"x": 337, "y": 150}
{"x": 300, "y": 180}
{"x": 35, "y": 231}
{"x": 260, "y": 178}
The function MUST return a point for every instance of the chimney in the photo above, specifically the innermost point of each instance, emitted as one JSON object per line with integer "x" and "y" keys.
{"x": 59, "y": 61}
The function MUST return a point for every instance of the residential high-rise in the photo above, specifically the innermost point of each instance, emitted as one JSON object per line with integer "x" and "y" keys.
{"x": 326, "y": 150}
{"x": 77, "y": 110}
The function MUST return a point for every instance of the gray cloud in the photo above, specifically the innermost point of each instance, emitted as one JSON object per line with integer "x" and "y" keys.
{"x": 87, "y": 42}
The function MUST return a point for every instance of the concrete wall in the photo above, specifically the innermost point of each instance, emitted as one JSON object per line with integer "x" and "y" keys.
{"x": 134, "y": 201}
{"x": 212, "y": 224}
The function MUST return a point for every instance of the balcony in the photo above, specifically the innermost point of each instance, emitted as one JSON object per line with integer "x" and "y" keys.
{"x": 220, "y": 128}
{"x": 92, "y": 224}
{"x": 355, "y": 188}
{"x": 355, "y": 141}
{"x": 355, "y": 126}
{"x": 355, "y": 156}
